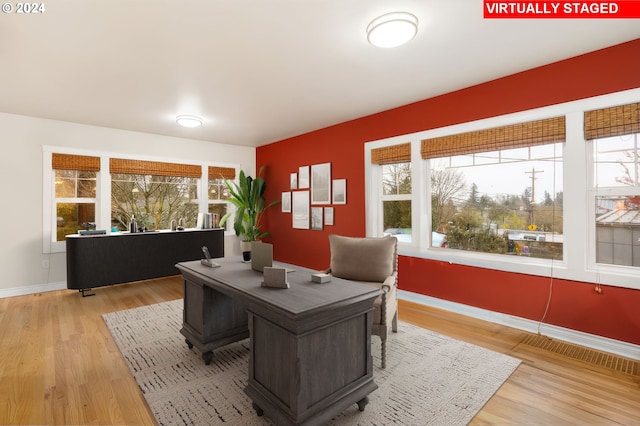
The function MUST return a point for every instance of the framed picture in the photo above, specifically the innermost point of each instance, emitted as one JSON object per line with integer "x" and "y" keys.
{"x": 300, "y": 209}
{"x": 316, "y": 218}
{"x": 303, "y": 173}
{"x": 293, "y": 181}
{"x": 340, "y": 191}
{"x": 328, "y": 216}
{"x": 321, "y": 183}
{"x": 286, "y": 202}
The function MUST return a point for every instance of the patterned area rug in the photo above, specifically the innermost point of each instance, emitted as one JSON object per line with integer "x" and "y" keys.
{"x": 430, "y": 379}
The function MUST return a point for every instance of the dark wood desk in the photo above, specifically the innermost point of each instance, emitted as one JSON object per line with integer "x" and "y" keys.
{"x": 310, "y": 344}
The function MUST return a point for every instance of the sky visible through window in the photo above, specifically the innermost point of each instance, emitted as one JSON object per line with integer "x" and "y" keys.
{"x": 510, "y": 172}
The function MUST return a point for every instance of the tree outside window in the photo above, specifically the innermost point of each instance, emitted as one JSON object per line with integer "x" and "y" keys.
{"x": 154, "y": 201}
{"x": 396, "y": 200}
{"x": 499, "y": 202}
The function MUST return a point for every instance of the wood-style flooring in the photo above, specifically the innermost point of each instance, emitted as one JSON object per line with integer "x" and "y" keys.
{"x": 59, "y": 365}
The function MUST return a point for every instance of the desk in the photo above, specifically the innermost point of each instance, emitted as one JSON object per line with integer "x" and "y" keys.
{"x": 310, "y": 347}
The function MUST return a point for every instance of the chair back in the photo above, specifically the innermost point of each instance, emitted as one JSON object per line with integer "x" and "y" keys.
{"x": 370, "y": 259}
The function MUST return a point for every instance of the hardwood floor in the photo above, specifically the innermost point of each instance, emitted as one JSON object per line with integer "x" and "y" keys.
{"x": 547, "y": 388}
{"x": 59, "y": 365}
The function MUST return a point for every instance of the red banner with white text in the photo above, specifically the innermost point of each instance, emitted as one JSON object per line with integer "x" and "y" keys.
{"x": 517, "y": 9}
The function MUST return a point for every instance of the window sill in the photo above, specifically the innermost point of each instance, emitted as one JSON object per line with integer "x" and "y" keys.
{"x": 605, "y": 274}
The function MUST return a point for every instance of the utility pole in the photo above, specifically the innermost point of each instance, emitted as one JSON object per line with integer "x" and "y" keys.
{"x": 533, "y": 191}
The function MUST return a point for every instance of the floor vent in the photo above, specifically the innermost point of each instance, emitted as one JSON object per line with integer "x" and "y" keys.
{"x": 581, "y": 353}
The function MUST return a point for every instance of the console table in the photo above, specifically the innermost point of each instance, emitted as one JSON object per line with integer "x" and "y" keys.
{"x": 310, "y": 345}
{"x": 101, "y": 260}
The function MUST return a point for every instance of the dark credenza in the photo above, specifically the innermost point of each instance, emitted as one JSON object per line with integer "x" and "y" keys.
{"x": 101, "y": 260}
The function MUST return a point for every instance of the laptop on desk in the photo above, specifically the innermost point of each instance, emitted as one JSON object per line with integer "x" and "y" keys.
{"x": 262, "y": 255}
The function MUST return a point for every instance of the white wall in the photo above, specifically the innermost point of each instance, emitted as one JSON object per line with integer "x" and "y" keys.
{"x": 21, "y": 183}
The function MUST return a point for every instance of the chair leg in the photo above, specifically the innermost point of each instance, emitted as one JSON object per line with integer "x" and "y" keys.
{"x": 394, "y": 323}
{"x": 384, "y": 352}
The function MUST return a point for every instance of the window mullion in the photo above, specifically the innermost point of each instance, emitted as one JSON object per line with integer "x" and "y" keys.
{"x": 203, "y": 190}
{"x": 577, "y": 179}
{"x": 103, "y": 195}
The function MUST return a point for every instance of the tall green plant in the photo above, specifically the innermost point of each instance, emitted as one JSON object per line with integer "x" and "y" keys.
{"x": 248, "y": 196}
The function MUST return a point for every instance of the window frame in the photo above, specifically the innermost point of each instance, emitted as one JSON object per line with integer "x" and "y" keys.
{"x": 578, "y": 262}
{"x": 103, "y": 190}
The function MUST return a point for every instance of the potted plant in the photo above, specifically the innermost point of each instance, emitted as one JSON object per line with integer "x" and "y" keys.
{"x": 248, "y": 196}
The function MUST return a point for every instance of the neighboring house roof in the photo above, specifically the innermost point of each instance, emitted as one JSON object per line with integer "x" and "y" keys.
{"x": 620, "y": 217}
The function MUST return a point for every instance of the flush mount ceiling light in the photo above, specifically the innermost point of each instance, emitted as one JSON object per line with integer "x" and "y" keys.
{"x": 189, "y": 120}
{"x": 392, "y": 29}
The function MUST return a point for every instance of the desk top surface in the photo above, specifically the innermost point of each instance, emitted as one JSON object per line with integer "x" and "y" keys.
{"x": 303, "y": 296}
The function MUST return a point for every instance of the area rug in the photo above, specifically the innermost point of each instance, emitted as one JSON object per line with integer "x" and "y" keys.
{"x": 430, "y": 379}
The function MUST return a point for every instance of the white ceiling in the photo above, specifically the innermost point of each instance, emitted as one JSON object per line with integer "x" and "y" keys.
{"x": 259, "y": 71}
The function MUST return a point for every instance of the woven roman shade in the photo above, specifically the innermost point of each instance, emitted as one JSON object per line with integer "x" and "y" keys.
{"x": 222, "y": 172}
{"x": 153, "y": 168}
{"x": 612, "y": 121}
{"x": 391, "y": 154}
{"x": 520, "y": 135}
{"x": 75, "y": 162}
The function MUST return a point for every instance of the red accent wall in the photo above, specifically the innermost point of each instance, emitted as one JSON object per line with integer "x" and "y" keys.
{"x": 574, "y": 305}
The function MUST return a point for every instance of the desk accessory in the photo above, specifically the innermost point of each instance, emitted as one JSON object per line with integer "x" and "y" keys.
{"x": 275, "y": 277}
{"x": 208, "y": 262}
{"x": 320, "y": 278}
{"x": 92, "y": 232}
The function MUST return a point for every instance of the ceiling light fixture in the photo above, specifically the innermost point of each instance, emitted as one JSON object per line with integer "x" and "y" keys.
{"x": 392, "y": 29}
{"x": 189, "y": 121}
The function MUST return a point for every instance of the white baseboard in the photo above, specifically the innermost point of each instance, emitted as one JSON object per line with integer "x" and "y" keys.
{"x": 32, "y": 289}
{"x": 627, "y": 350}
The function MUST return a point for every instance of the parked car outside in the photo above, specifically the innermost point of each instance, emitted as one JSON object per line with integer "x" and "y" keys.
{"x": 403, "y": 235}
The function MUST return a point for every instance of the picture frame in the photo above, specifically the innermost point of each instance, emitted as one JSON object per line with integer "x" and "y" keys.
{"x": 303, "y": 177}
{"x": 328, "y": 216}
{"x": 300, "y": 210}
{"x": 321, "y": 183}
{"x": 293, "y": 181}
{"x": 286, "y": 202}
{"x": 316, "y": 218}
{"x": 339, "y": 191}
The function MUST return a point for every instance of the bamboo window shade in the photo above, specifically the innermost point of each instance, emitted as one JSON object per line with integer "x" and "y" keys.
{"x": 153, "y": 168}
{"x": 222, "y": 173}
{"x": 391, "y": 154}
{"x": 614, "y": 121}
{"x": 519, "y": 135}
{"x": 83, "y": 163}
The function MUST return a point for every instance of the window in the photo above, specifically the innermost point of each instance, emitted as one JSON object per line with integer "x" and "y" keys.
{"x": 79, "y": 194}
{"x": 154, "y": 201}
{"x": 395, "y": 173}
{"x": 615, "y": 188}
{"x": 503, "y": 201}
{"x": 154, "y": 193}
{"x": 74, "y": 200}
{"x": 553, "y": 191}
{"x": 218, "y": 191}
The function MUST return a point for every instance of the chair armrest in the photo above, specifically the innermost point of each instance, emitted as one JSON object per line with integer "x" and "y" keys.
{"x": 390, "y": 282}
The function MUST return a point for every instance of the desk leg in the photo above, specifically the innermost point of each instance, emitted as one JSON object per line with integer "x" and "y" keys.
{"x": 259, "y": 411}
{"x": 211, "y": 319}
{"x": 363, "y": 403}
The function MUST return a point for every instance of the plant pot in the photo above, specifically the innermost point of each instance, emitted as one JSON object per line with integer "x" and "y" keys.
{"x": 245, "y": 248}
